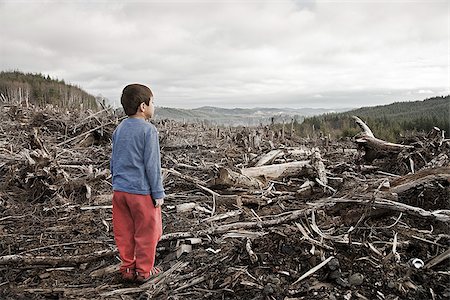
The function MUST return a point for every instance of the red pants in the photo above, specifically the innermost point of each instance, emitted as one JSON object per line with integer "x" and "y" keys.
{"x": 137, "y": 229}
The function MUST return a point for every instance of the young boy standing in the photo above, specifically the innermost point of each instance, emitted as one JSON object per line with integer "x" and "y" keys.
{"x": 137, "y": 185}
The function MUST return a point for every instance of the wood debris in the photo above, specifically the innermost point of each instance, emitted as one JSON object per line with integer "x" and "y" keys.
{"x": 250, "y": 213}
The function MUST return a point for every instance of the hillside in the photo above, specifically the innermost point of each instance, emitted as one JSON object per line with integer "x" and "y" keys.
{"x": 387, "y": 121}
{"x": 40, "y": 90}
{"x": 239, "y": 116}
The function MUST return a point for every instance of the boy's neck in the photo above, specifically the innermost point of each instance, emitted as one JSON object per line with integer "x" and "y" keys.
{"x": 138, "y": 115}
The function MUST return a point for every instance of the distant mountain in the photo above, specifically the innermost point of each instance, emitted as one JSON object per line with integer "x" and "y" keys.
{"x": 239, "y": 116}
{"x": 38, "y": 89}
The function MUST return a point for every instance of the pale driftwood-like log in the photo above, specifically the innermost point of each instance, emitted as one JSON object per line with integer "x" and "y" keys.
{"x": 228, "y": 177}
{"x": 373, "y": 146}
{"x": 54, "y": 260}
{"x": 319, "y": 166}
{"x": 424, "y": 176}
{"x": 363, "y": 126}
{"x": 279, "y": 170}
{"x": 269, "y": 157}
{"x": 296, "y": 153}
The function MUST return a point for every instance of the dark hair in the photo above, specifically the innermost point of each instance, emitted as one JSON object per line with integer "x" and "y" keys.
{"x": 133, "y": 95}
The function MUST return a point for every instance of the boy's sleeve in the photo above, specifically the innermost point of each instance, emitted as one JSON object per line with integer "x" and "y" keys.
{"x": 152, "y": 161}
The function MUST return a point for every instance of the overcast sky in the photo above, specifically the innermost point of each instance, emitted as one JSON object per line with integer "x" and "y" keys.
{"x": 236, "y": 53}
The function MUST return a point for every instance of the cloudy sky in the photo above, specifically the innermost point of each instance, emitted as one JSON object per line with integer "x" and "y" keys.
{"x": 236, "y": 53}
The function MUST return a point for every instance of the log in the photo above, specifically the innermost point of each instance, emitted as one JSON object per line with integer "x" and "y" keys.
{"x": 373, "y": 146}
{"x": 278, "y": 171}
{"x": 424, "y": 176}
{"x": 319, "y": 166}
{"x": 229, "y": 178}
{"x": 269, "y": 157}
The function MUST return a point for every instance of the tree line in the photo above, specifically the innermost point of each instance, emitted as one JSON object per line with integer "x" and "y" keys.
{"x": 38, "y": 89}
{"x": 389, "y": 122}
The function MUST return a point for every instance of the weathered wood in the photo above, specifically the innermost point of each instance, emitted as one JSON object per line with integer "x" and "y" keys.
{"x": 54, "y": 260}
{"x": 319, "y": 166}
{"x": 293, "y": 215}
{"x": 269, "y": 157}
{"x": 373, "y": 146}
{"x": 397, "y": 206}
{"x": 410, "y": 181}
{"x": 228, "y": 177}
{"x": 438, "y": 259}
{"x": 279, "y": 170}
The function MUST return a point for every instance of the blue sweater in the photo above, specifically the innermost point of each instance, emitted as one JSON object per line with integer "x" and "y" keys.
{"x": 136, "y": 159}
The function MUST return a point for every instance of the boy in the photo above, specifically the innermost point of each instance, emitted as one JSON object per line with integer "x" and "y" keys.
{"x": 137, "y": 185}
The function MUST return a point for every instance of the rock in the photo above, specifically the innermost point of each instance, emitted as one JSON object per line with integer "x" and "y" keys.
{"x": 356, "y": 279}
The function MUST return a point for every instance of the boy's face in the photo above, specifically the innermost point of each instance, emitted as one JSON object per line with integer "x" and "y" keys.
{"x": 149, "y": 109}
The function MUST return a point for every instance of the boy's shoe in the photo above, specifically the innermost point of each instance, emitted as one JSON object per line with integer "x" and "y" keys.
{"x": 144, "y": 277}
{"x": 128, "y": 275}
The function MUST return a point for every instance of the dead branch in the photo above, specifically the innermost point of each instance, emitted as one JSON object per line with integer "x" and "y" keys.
{"x": 55, "y": 261}
{"x": 397, "y": 206}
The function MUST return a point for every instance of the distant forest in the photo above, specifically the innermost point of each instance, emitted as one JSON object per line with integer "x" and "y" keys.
{"x": 389, "y": 122}
{"x": 40, "y": 90}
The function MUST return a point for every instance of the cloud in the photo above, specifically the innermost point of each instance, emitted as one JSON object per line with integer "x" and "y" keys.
{"x": 231, "y": 53}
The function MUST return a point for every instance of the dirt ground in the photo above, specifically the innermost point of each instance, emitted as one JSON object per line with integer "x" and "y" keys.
{"x": 352, "y": 238}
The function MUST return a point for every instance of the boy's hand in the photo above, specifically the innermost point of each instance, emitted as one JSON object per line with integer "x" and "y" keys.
{"x": 159, "y": 202}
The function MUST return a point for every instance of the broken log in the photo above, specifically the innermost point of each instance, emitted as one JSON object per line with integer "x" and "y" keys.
{"x": 230, "y": 178}
{"x": 373, "y": 146}
{"x": 422, "y": 177}
{"x": 269, "y": 157}
{"x": 278, "y": 171}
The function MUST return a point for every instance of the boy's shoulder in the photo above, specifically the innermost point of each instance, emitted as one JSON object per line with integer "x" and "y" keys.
{"x": 138, "y": 123}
